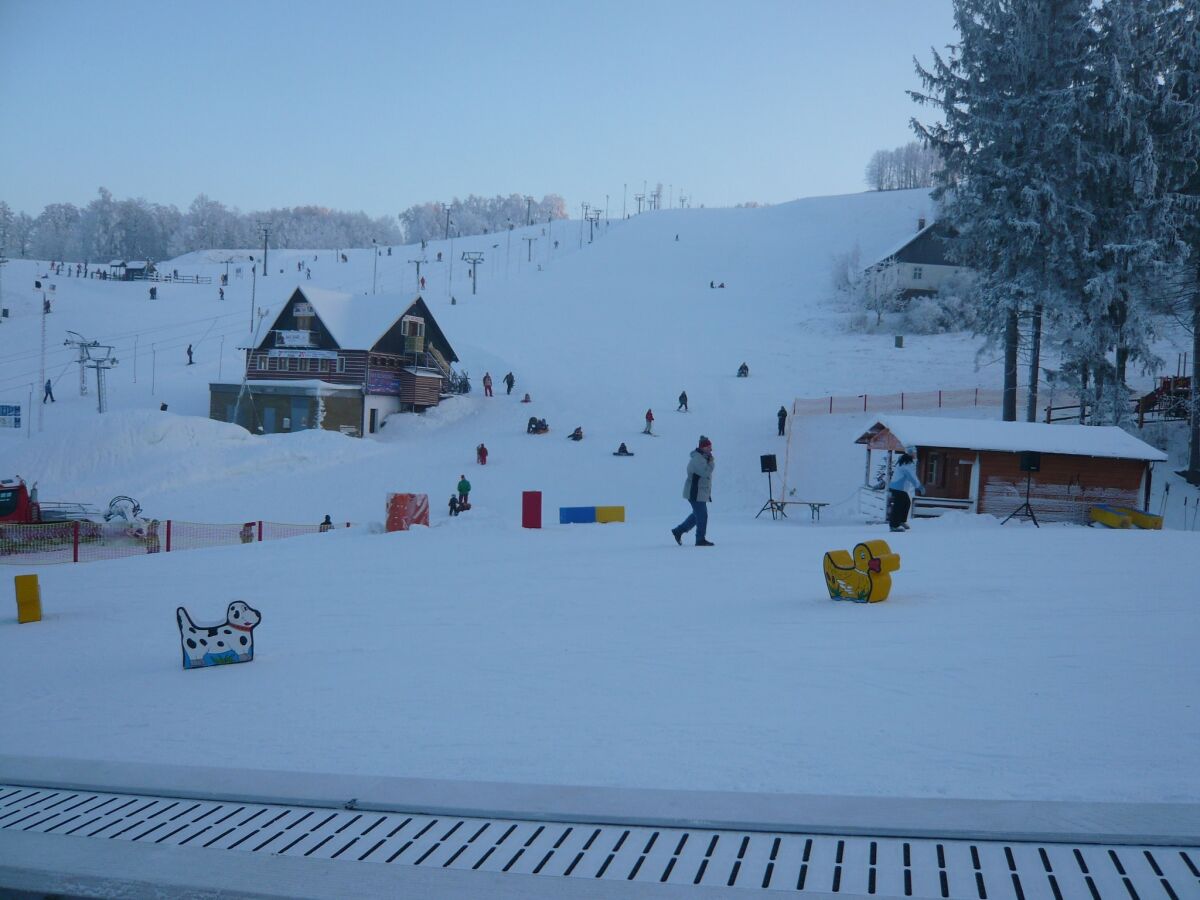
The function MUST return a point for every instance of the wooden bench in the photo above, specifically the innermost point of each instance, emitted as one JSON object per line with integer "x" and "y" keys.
{"x": 814, "y": 507}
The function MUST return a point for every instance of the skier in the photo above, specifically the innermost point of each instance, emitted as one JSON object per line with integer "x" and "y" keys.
{"x": 481, "y": 453}
{"x": 439, "y": 258}
{"x": 189, "y": 353}
{"x": 782, "y": 416}
{"x": 422, "y": 282}
{"x": 682, "y": 402}
{"x": 327, "y": 525}
{"x": 649, "y": 422}
{"x": 899, "y": 501}
{"x": 464, "y": 489}
{"x": 743, "y": 371}
{"x": 577, "y": 434}
{"x": 220, "y": 293}
{"x": 153, "y": 293}
{"x": 697, "y": 490}
{"x": 487, "y": 384}
{"x": 622, "y": 451}
{"x": 49, "y": 395}
{"x": 509, "y": 381}
{"x": 526, "y": 399}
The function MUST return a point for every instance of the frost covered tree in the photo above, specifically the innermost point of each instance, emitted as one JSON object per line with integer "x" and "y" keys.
{"x": 1011, "y": 94}
{"x": 55, "y": 231}
{"x": 910, "y": 166}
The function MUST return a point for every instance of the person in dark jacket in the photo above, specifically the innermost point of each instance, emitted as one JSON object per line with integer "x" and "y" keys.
{"x": 577, "y": 434}
{"x": 743, "y": 371}
{"x": 49, "y": 391}
{"x": 697, "y": 490}
{"x": 454, "y": 504}
{"x": 509, "y": 381}
{"x": 682, "y": 402}
{"x": 327, "y": 525}
{"x": 782, "y": 416}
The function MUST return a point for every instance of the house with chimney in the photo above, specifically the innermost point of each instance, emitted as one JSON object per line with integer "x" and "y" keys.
{"x": 916, "y": 267}
{"x": 339, "y": 362}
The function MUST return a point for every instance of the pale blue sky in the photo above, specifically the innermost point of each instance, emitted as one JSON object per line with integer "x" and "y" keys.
{"x": 379, "y": 104}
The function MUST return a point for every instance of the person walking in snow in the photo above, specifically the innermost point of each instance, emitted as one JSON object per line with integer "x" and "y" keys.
{"x": 782, "y": 416}
{"x": 649, "y": 422}
{"x": 487, "y": 384}
{"x": 454, "y": 504}
{"x": 327, "y": 525}
{"x": 422, "y": 282}
{"x": 481, "y": 453}
{"x": 49, "y": 394}
{"x": 189, "y": 353}
{"x": 220, "y": 293}
{"x": 697, "y": 490}
{"x": 899, "y": 502}
{"x": 682, "y": 402}
{"x": 464, "y": 490}
{"x": 509, "y": 381}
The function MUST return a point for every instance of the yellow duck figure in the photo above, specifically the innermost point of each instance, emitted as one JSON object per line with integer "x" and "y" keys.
{"x": 864, "y": 577}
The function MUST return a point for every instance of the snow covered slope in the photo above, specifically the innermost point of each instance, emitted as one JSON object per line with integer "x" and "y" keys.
{"x": 589, "y": 654}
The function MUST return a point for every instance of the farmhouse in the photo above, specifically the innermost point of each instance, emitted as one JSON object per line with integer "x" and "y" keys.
{"x": 917, "y": 267}
{"x": 339, "y": 362}
{"x": 984, "y": 466}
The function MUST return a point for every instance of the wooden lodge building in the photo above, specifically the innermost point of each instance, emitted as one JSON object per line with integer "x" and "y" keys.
{"x": 982, "y": 466}
{"x": 915, "y": 268}
{"x": 340, "y": 362}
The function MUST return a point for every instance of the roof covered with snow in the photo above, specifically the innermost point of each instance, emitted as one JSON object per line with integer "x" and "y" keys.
{"x": 356, "y": 321}
{"x": 1016, "y": 437}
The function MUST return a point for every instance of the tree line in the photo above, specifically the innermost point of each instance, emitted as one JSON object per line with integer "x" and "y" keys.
{"x": 1070, "y": 171}
{"x": 108, "y": 228}
{"x": 910, "y": 166}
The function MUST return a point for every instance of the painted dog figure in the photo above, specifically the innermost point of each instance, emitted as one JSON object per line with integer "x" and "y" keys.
{"x": 230, "y": 642}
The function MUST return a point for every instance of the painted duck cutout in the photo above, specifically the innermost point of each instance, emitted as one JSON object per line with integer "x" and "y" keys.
{"x": 864, "y": 575}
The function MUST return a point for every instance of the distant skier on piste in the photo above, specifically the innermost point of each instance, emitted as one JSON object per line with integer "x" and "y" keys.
{"x": 682, "y": 402}
{"x": 649, "y": 422}
{"x": 509, "y": 381}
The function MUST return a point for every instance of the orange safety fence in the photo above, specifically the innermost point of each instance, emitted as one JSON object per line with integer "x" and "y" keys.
{"x": 64, "y": 542}
{"x": 909, "y": 401}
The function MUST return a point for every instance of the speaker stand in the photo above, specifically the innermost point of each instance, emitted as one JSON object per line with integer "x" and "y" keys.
{"x": 1025, "y": 511}
{"x": 775, "y": 506}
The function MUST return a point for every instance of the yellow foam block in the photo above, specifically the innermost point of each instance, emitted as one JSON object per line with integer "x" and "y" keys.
{"x": 1141, "y": 519}
{"x": 1107, "y": 515}
{"x": 29, "y": 598}
{"x": 610, "y": 514}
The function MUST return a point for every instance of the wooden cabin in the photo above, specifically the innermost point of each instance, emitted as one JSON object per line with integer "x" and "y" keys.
{"x": 984, "y": 466}
{"x": 340, "y": 362}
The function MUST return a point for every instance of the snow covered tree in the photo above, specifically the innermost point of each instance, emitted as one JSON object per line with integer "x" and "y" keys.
{"x": 1011, "y": 93}
{"x": 55, "y": 231}
{"x": 20, "y": 234}
{"x": 910, "y": 166}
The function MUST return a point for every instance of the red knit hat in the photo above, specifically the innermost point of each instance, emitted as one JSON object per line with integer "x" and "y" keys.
{"x": 705, "y": 443}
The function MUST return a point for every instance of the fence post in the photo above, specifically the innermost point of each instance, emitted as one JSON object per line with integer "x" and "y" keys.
{"x": 1048, "y": 408}
{"x": 940, "y": 399}
{"x": 75, "y": 541}
{"x": 902, "y": 401}
{"x": 168, "y": 535}
{"x": 864, "y": 402}
{"x": 831, "y": 404}
{"x": 260, "y": 530}
{"x": 976, "y": 396}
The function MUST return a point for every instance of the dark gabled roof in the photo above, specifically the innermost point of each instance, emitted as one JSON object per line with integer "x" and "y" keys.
{"x": 925, "y": 248}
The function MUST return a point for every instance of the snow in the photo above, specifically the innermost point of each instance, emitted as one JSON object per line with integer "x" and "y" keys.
{"x": 356, "y": 322}
{"x": 1009, "y": 662}
{"x": 1016, "y": 437}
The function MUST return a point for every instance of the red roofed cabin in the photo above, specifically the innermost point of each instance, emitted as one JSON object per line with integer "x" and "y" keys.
{"x": 340, "y": 362}
{"x": 976, "y": 465}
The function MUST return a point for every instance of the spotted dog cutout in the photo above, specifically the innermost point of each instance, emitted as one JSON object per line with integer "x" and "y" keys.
{"x": 232, "y": 641}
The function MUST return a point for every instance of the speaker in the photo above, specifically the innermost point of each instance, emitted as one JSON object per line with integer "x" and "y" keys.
{"x": 767, "y": 462}
{"x": 1031, "y": 461}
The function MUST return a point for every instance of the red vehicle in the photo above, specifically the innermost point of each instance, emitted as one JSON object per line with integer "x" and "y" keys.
{"x": 19, "y": 506}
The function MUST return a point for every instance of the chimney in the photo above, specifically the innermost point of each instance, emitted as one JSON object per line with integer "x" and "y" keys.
{"x": 921, "y": 224}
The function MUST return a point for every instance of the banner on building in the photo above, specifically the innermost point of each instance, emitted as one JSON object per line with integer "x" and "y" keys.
{"x": 10, "y": 415}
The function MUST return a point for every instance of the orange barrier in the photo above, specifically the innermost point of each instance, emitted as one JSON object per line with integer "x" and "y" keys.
{"x": 406, "y": 510}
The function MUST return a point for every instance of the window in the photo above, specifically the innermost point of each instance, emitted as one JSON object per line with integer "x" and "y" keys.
{"x": 262, "y": 363}
{"x": 916, "y": 273}
{"x": 935, "y": 470}
{"x": 341, "y": 365}
{"x": 324, "y": 365}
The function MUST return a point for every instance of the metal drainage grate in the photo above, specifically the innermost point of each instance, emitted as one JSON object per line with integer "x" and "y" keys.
{"x": 978, "y": 870}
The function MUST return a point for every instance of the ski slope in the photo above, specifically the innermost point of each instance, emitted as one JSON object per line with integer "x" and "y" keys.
{"x": 582, "y": 654}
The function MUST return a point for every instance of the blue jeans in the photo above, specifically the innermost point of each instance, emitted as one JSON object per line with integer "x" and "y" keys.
{"x": 698, "y": 520}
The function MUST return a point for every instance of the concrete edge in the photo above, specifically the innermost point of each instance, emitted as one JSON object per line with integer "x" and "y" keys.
{"x": 1162, "y": 824}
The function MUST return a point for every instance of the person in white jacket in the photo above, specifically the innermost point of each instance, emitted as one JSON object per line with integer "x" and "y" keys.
{"x": 904, "y": 475}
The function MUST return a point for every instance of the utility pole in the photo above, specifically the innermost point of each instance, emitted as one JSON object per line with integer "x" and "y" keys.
{"x": 221, "y": 358}
{"x": 374, "y": 263}
{"x": 447, "y": 237}
{"x": 265, "y": 228}
{"x": 584, "y": 207}
{"x": 42, "y": 377}
{"x": 606, "y": 209}
{"x": 101, "y": 362}
{"x": 529, "y": 247}
{"x": 153, "y": 368}
{"x": 528, "y": 210}
{"x": 253, "y": 289}
{"x": 135, "y": 355}
{"x": 473, "y": 258}
{"x": 417, "y": 263}
{"x": 639, "y": 198}
{"x": 508, "y": 248}
{"x": 80, "y": 343}
{"x": 624, "y": 188}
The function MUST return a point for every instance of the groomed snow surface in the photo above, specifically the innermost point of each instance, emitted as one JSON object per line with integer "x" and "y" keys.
{"x": 1009, "y": 662}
